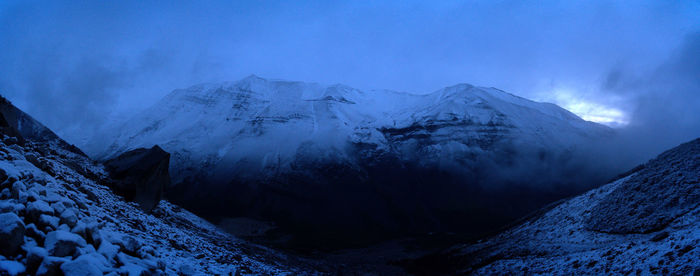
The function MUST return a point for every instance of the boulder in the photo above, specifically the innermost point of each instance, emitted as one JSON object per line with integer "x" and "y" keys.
{"x": 11, "y": 234}
{"x": 37, "y": 208}
{"x": 51, "y": 266}
{"x": 7, "y": 129}
{"x": 129, "y": 245}
{"x": 17, "y": 189}
{"x": 141, "y": 175}
{"x": 35, "y": 256}
{"x": 108, "y": 250}
{"x": 87, "y": 265}
{"x": 63, "y": 243}
{"x": 48, "y": 222}
{"x": 69, "y": 217}
{"x": 11, "y": 268}
{"x": 34, "y": 232}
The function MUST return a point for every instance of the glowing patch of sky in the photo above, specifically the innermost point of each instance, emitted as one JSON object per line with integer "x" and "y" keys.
{"x": 586, "y": 109}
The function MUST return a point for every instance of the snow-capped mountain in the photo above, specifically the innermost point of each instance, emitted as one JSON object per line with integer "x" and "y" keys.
{"x": 645, "y": 223}
{"x": 304, "y": 152}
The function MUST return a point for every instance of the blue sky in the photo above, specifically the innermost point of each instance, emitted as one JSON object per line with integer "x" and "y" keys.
{"x": 77, "y": 64}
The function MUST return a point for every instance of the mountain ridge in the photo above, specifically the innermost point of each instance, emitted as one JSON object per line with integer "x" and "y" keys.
{"x": 646, "y": 222}
{"x": 271, "y": 146}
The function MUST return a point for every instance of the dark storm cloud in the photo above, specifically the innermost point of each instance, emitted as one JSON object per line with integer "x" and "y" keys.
{"x": 78, "y": 64}
{"x": 665, "y": 102}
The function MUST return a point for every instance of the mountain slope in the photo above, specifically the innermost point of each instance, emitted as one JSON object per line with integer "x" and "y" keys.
{"x": 57, "y": 217}
{"x": 302, "y": 154}
{"x": 645, "y": 223}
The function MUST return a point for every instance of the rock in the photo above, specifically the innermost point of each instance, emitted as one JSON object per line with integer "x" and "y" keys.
{"x": 31, "y": 196}
{"x": 17, "y": 148}
{"x": 17, "y": 188}
{"x": 80, "y": 229}
{"x": 53, "y": 197}
{"x": 11, "y": 233}
{"x": 63, "y": 243}
{"x": 146, "y": 252}
{"x": 64, "y": 227}
{"x": 32, "y": 158}
{"x": 3, "y": 175}
{"x": 141, "y": 175}
{"x": 48, "y": 222}
{"x": 37, "y": 208}
{"x": 93, "y": 234}
{"x": 58, "y": 207}
{"x": 129, "y": 245}
{"x": 34, "y": 232}
{"x": 134, "y": 265}
{"x": 69, "y": 217}
{"x": 11, "y": 268}
{"x": 35, "y": 256}
{"x": 9, "y": 207}
{"x": 51, "y": 266}
{"x": 5, "y": 194}
{"x": 108, "y": 250}
{"x": 85, "y": 265}
{"x": 659, "y": 236}
{"x": 186, "y": 269}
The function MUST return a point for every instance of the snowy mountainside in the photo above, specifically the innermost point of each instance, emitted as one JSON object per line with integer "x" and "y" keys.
{"x": 59, "y": 217}
{"x": 265, "y": 121}
{"x": 301, "y": 154}
{"x": 645, "y": 223}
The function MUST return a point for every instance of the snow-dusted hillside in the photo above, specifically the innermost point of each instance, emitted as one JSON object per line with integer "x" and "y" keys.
{"x": 57, "y": 217}
{"x": 262, "y": 123}
{"x": 645, "y": 223}
{"x": 305, "y": 153}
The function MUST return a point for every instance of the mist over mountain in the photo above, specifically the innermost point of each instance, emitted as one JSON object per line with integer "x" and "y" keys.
{"x": 302, "y": 154}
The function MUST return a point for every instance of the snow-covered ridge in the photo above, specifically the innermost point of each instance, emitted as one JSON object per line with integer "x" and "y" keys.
{"x": 645, "y": 223}
{"x": 261, "y": 120}
{"x": 261, "y": 148}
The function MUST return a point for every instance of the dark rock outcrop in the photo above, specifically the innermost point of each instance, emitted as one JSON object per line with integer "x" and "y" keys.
{"x": 8, "y": 130}
{"x": 141, "y": 175}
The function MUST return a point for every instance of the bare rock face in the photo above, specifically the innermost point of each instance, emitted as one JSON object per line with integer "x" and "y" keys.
{"x": 141, "y": 175}
{"x": 667, "y": 187}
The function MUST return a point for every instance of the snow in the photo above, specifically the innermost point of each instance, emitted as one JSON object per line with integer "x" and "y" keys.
{"x": 559, "y": 242}
{"x": 86, "y": 265}
{"x": 8, "y": 222}
{"x": 39, "y": 207}
{"x": 127, "y": 239}
{"x": 11, "y": 267}
{"x": 260, "y": 124}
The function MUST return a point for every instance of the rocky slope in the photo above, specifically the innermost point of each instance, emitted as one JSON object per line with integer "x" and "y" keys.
{"x": 57, "y": 217}
{"x": 302, "y": 154}
{"x": 645, "y": 223}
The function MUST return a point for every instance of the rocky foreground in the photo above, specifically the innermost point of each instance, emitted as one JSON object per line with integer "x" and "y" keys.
{"x": 645, "y": 223}
{"x": 57, "y": 218}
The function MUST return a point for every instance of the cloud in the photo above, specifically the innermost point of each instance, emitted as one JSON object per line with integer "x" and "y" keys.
{"x": 664, "y": 102}
{"x": 76, "y": 65}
